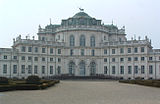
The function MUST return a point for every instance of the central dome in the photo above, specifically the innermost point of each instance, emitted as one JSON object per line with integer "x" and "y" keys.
{"x": 81, "y": 15}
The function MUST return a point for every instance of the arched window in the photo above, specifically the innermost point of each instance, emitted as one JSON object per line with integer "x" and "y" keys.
{"x": 71, "y": 68}
{"x": 93, "y": 68}
{"x": 92, "y": 41}
{"x": 82, "y": 68}
{"x": 82, "y": 40}
{"x": 71, "y": 40}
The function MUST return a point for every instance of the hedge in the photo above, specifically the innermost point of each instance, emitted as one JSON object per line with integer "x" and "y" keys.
{"x": 153, "y": 83}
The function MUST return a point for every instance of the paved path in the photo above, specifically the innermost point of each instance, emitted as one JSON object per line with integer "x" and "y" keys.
{"x": 85, "y": 92}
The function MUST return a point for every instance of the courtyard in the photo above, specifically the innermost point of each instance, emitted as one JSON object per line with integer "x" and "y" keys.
{"x": 85, "y": 92}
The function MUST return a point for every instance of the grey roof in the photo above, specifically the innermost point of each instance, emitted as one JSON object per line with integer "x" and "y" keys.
{"x": 81, "y": 15}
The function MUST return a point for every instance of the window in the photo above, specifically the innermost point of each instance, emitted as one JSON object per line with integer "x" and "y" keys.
{"x": 142, "y": 49}
{"x": 105, "y": 59}
{"x": 92, "y": 52}
{"x": 29, "y": 69}
{"x": 104, "y": 37}
{"x": 15, "y": 57}
{"x": 4, "y": 68}
{"x": 92, "y": 41}
{"x": 59, "y": 51}
{"x": 43, "y": 69}
{"x": 82, "y": 40}
{"x": 105, "y": 51}
{"x": 43, "y": 38}
{"x": 136, "y": 69}
{"x": 35, "y": 58}
{"x": 22, "y": 69}
{"x": 135, "y": 58}
{"x": 51, "y": 69}
{"x": 121, "y": 59}
{"x": 23, "y": 58}
{"x": 105, "y": 70}
{"x": 58, "y": 70}
{"x": 59, "y": 59}
{"x": 113, "y": 69}
{"x": 150, "y": 58}
{"x": 113, "y": 51}
{"x": 23, "y": 49}
{"x": 113, "y": 59}
{"x": 36, "y": 49}
{"x": 14, "y": 69}
{"x": 136, "y": 50}
{"x": 51, "y": 59}
{"x": 129, "y": 69}
{"x": 35, "y": 69}
{"x": 82, "y": 52}
{"x": 121, "y": 50}
{"x": 129, "y": 50}
{"x": 29, "y": 49}
{"x": 142, "y": 69}
{"x": 72, "y": 40}
{"x": 43, "y": 59}
{"x": 142, "y": 58}
{"x": 150, "y": 69}
{"x": 43, "y": 50}
{"x": 129, "y": 58}
{"x": 121, "y": 69}
{"x": 29, "y": 58}
{"x": 71, "y": 52}
{"x": 5, "y": 57}
{"x": 51, "y": 50}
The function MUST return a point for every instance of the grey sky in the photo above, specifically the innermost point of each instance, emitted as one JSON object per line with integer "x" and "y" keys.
{"x": 140, "y": 17}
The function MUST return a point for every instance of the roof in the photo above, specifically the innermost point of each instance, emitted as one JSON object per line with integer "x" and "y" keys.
{"x": 81, "y": 15}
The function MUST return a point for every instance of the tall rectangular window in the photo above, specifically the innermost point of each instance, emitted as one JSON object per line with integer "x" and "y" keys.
{"x": 14, "y": 69}
{"x": 129, "y": 69}
{"x": 29, "y": 49}
{"x": 71, "y": 52}
{"x": 129, "y": 59}
{"x": 105, "y": 51}
{"x": 113, "y": 51}
{"x": 136, "y": 69}
{"x": 121, "y": 59}
{"x": 150, "y": 69}
{"x": 23, "y": 49}
{"x": 92, "y": 52}
{"x": 121, "y": 69}
{"x": 35, "y": 69}
{"x": 43, "y": 69}
{"x": 4, "y": 68}
{"x": 82, "y": 52}
{"x": 129, "y": 50}
{"x": 121, "y": 50}
{"x": 23, "y": 58}
{"x": 150, "y": 58}
{"x": 142, "y": 58}
{"x": 36, "y": 49}
{"x": 29, "y": 58}
{"x": 142, "y": 49}
{"x": 105, "y": 59}
{"x": 113, "y": 69}
{"x": 59, "y": 51}
{"x": 135, "y": 58}
{"x": 22, "y": 69}
{"x": 51, "y": 50}
{"x": 51, "y": 69}
{"x": 29, "y": 69}
{"x": 105, "y": 69}
{"x": 43, "y": 59}
{"x": 35, "y": 58}
{"x": 113, "y": 59}
{"x": 5, "y": 56}
{"x": 43, "y": 50}
{"x": 136, "y": 50}
{"x": 142, "y": 69}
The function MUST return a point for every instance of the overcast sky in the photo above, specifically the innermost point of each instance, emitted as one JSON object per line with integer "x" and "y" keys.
{"x": 140, "y": 17}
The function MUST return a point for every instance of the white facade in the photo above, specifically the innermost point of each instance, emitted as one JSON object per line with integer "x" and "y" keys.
{"x": 80, "y": 46}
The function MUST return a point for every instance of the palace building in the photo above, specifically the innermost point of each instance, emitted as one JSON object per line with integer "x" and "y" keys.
{"x": 80, "y": 46}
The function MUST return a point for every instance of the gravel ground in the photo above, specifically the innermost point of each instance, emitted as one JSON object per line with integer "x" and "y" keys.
{"x": 85, "y": 92}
